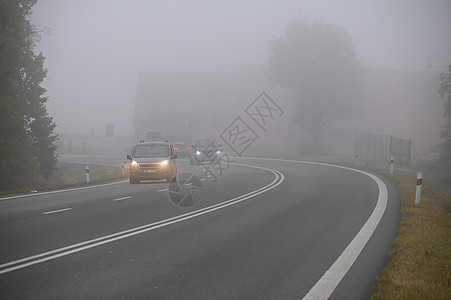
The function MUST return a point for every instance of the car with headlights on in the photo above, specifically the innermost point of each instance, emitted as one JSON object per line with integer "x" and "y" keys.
{"x": 205, "y": 150}
{"x": 152, "y": 161}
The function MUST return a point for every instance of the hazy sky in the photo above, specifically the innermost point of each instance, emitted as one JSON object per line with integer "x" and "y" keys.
{"x": 96, "y": 48}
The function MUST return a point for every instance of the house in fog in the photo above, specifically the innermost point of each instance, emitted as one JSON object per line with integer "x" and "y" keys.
{"x": 180, "y": 105}
{"x": 187, "y": 105}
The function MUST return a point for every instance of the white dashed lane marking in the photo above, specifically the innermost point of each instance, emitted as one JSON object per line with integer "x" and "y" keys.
{"x": 56, "y": 211}
{"x": 123, "y": 198}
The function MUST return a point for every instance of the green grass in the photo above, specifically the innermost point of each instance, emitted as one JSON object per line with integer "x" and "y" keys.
{"x": 72, "y": 175}
{"x": 419, "y": 266}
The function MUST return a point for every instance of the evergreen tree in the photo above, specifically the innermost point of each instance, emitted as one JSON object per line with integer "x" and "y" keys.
{"x": 26, "y": 130}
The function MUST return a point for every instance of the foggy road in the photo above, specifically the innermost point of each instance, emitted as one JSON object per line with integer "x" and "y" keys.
{"x": 85, "y": 81}
{"x": 266, "y": 229}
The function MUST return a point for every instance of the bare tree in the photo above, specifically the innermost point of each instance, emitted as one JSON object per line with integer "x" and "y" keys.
{"x": 317, "y": 61}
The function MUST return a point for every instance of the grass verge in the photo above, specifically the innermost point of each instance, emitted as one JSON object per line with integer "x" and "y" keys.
{"x": 72, "y": 175}
{"x": 419, "y": 266}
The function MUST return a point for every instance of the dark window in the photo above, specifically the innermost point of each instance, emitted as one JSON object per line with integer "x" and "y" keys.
{"x": 151, "y": 151}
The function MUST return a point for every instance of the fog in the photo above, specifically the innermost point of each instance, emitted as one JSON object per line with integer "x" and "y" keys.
{"x": 96, "y": 49}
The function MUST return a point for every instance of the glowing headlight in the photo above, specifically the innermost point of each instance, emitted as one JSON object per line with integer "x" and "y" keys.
{"x": 164, "y": 163}
{"x": 218, "y": 152}
{"x": 198, "y": 152}
{"x": 133, "y": 164}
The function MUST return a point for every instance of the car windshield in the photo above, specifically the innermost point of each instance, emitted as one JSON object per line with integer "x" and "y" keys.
{"x": 205, "y": 143}
{"x": 151, "y": 151}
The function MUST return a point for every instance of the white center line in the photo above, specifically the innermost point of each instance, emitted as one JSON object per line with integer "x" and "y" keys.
{"x": 56, "y": 211}
{"x": 163, "y": 190}
{"x": 53, "y": 254}
{"x": 123, "y": 198}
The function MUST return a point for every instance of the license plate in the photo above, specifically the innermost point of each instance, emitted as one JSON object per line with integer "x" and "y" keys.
{"x": 150, "y": 171}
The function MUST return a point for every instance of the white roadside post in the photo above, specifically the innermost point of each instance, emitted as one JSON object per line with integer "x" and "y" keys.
{"x": 418, "y": 191}
{"x": 392, "y": 162}
{"x": 87, "y": 174}
{"x": 356, "y": 160}
{"x": 123, "y": 169}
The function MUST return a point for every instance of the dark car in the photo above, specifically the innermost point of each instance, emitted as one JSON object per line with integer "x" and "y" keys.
{"x": 181, "y": 149}
{"x": 204, "y": 150}
{"x": 152, "y": 161}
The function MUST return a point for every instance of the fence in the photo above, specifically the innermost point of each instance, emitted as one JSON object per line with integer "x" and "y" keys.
{"x": 380, "y": 148}
{"x": 401, "y": 150}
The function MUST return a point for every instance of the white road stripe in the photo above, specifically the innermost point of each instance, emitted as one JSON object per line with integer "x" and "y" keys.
{"x": 321, "y": 290}
{"x": 333, "y": 276}
{"x": 123, "y": 198}
{"x": 163, "y": 190}
{"x": 39, "y": 258}
{"x": 56, "y": 211}
{"x": 330, "y": 280}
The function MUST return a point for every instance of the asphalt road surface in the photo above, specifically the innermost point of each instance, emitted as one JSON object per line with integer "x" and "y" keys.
{"x": 263, "y": 229}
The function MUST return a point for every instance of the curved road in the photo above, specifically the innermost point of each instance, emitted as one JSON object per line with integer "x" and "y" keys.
{"x": 265, "y": 229}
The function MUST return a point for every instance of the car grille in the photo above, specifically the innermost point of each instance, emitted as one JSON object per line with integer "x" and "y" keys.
{"x": 149, "y": 165}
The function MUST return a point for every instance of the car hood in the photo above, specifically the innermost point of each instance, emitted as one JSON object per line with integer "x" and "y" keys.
{"x": 202, "y": 148}
{"x": 150, "y": 159}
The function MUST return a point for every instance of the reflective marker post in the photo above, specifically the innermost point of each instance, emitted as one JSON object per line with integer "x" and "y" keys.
{"x": 123, "y": 170}
{"x": 87, "y": 174}
{"x": 418, "y": 192}
{"x": 356, "y": 160}
{"x": 392, "y": 162}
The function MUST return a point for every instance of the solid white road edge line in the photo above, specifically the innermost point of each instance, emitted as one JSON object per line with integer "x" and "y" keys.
{"x": 330, "y": 280}
{"x": 39, "y": 258}
{"x": 333, "y": 276}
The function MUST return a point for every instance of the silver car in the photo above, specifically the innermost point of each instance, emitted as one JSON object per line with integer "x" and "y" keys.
{"x": 152, "y": 161}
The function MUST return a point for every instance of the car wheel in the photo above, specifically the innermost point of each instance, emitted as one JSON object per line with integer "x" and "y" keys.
{"x": 171, "y": 179}
{"x": 133, "y": 181}
{"x": 174, "y": 179}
